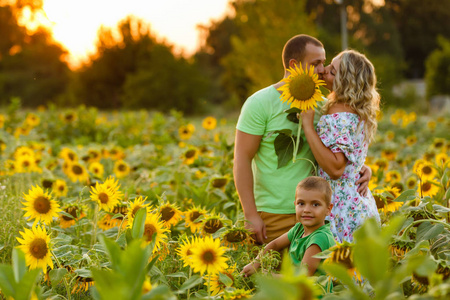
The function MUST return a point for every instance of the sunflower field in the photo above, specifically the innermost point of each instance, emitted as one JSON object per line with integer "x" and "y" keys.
{"x": 142, "y": 205}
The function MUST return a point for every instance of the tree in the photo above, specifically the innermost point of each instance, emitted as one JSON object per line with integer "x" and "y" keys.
{"x": 31, "y": 65}
{"x": 136, "y": 71}
{"x": 437, "y": 74}
{"x": 264, "y": 28}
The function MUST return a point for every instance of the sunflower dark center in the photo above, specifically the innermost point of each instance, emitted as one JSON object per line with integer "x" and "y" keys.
{"x": 134, "y": 211}
{"x": 42, "y": 205}
{"x": 190, "y": 153}
{"x": 219, "y": 182}
{"x": 26, "y": 163}
{"x": 77, "y": 170}
{"x": 72, "y": 211}
{"x": 149, "y": 230}
{"x": 235, "y": 236}
{"x": 438, "y": 145}
{"x": 46, "y": 183}
{"x": 411, "y": 183}
{"x": 427, "y": 170}
{"x": 122, "y": 168}
{"x": 38, "y": 248}
{"x": 426, "y": 186}
{"x": 302, "y": 87}
{"x": 211, "y": 226}
{"x": 104, "y": 198}
{"x": 71, "y": 156}
{"x": 208, "y": 257}
{"x": 194, "y": 215}
{"x": 185, "y": 131}
{"x": 167, "y": 213}
{"x": 61, "y": 188}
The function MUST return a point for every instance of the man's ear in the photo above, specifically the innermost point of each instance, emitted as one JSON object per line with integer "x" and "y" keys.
{"x": 292, "y": 63}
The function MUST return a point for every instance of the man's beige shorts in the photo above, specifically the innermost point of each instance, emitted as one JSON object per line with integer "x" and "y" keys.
{"x": 276, "y": 224}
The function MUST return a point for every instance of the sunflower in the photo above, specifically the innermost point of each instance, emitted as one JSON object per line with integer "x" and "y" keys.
{"x": 82, "y": 284}
{"x": 133, "y": 207}
{"x": 393, "y": 176}
{"x": 431, "y": 125}
{"x": 40, "y": 206}
{"x": 32, "y": 120}
{"x": 77, "y": 172}
{"x": 94, "y": 155}
{"x": 411, "y": 182}
{"x": 389, "y": 154}
{"x": 147, "y": 286}
{"x": 207, "y": 256}
{"x": 170, "y": 214}
{"x": 382, "y": 164}
{"x": 35, "y": 243}
{"x": 302, "y": 88}
{"x": 237, "y": 294}
{"x": 23, "y": 151}
{"x": 216, "y": 285}
{"x": 342, "y": 254}
{"x": 121, "y": 209}
{"x": 426, "y": 171}
{"x": 236, "y": 237}
{"x": 59, "y": 188}
{"x": 399, "y": 248}
{"x": 105, "y": 197}
{"x": 428, "y": 188}
{"x": 68, "y": 117}
{"x": 152, "y": 226}
{"x": 116, "y": 153}
{"x": 68, "y": 154}
{"x": 47, "y": 183}
{"x": 77, "y": 212}
{"x": 192, "y": 218}
{"x": 219, "y": 182}
{"x": 441, "y": 159}
{"x": 121, "y": 169}
{"x": 211, "y": 224}
{"x": 185, "y": 251}
{"x": 105, "y": 222}
{"x": 97, "y": 169}
{"x": 209, "y": 123}
{"x": 113, "y": 184}
{"x": 390, "y": 135}
{"x": 185, "y": 132}
{"x": 189, "y": 156}
{"x": 26, "y": 164}
{"x": 390, "y": 204}
{"x": 2, "y": 121}
{"x": 306, "y": 287}
{"x": 411, "y": 140}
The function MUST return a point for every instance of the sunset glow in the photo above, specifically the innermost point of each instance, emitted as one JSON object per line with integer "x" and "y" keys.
{"x": 75, "y": 23}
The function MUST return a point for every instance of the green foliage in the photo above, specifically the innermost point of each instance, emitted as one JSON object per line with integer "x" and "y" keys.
{"x": 437, "y": 74}
{"x": 15, "y": 280}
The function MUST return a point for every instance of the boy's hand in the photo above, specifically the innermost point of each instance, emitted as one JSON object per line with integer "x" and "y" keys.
{"x": 250, "y": 269}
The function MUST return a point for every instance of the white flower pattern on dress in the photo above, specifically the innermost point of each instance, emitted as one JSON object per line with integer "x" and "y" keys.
{"x": 340, "y": 133}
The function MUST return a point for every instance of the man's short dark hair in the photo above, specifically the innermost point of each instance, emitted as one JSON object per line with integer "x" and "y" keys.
{"x": 295, "y": 48}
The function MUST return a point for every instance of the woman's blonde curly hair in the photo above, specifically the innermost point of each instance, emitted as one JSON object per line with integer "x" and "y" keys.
{"x": 355, "y": 85}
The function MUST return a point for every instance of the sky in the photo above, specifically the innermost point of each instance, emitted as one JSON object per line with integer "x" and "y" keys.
{"x": 75, "y": 22}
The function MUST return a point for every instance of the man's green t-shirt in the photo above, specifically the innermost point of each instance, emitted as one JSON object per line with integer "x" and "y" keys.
{"x": 274, "y": 189}
{"x": 322, "y": 237}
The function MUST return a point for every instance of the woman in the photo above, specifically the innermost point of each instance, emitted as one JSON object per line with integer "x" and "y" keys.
{"x": 342, "y": 139}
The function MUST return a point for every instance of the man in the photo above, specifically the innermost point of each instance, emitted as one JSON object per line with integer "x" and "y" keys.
{"x": 265, "y": 191}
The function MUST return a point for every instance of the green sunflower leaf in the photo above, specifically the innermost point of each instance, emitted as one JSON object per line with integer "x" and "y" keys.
{"x": 284, "y": 148}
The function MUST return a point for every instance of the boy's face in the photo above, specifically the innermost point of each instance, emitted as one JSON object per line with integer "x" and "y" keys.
{"x": 311, "y": 208}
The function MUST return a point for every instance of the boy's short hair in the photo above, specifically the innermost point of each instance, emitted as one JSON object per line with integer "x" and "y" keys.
{"x": 317, "y": 184}
{"x": 295, "y": 48}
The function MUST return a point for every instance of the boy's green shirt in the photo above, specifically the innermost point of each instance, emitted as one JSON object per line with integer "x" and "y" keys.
{"x": 322, "y": 237}
{"x": 274, "y": 189}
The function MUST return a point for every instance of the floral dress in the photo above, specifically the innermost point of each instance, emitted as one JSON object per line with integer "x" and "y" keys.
{"x": 340, "y": 133}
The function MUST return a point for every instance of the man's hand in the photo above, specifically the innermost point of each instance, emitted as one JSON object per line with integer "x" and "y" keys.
{"x": 256, "y": 225}
{"x": 250, "y": 269}
{"x": 363, "y": 181}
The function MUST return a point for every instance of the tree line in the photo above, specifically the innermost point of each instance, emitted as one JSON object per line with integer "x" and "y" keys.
{"x": 240, "y": 54}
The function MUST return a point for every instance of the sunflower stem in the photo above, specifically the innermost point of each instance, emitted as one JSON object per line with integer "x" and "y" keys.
{"x": 94, "y": 229}
{"x": 66, "y": 284}
{"x": 209, "y": 286}
{"x": 297, "y": 142}
{"x": 189, "y": 289}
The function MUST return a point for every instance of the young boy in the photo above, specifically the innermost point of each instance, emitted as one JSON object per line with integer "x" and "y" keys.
{"x": 311, "y": 235}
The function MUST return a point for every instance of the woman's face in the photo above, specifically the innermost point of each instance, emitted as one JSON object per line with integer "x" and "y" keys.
{"x": 330, "y": 72}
